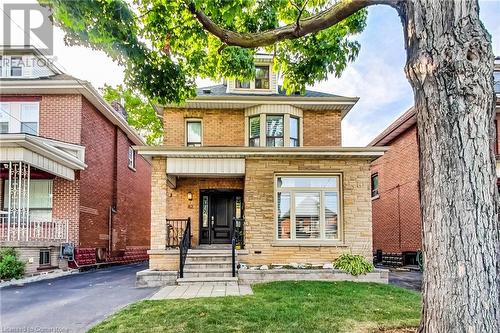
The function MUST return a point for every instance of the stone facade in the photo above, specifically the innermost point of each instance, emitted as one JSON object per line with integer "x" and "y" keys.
{"x": 260, "y": 210}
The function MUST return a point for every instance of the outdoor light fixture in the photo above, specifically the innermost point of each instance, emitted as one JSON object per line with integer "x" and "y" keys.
{"x": 190, "y": 196}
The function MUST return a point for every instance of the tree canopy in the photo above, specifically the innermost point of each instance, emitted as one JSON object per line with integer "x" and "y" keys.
{"x": 164, "y": 47}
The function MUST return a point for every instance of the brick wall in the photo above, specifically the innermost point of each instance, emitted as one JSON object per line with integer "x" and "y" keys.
{"x": 66, "y": 204}
{"x": 179, "y": 207}
{"x": 60, "y": 117}
{"x": 260, "y": 211}
{"x": 396, "y": 213}
{"x": 220, "y": 127}
{"x": 131, "y": 221}
{"x": 97, "y": 179}
{"x": 134, "y": 197}
{"x": 322, "y": 128}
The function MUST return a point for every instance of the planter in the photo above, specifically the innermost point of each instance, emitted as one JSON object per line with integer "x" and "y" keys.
{"x": 249, "y": 276}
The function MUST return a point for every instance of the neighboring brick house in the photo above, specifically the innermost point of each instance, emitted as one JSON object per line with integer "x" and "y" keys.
{"x": 245, "y": 159}
{"x": 68, "y": 173}
{"x": 397, "y": 231}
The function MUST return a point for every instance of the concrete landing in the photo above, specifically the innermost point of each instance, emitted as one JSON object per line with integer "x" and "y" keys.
{"x": 206, "y": 289}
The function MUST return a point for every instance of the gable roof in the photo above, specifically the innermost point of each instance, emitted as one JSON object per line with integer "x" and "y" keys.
{"x": 404, "y": 122}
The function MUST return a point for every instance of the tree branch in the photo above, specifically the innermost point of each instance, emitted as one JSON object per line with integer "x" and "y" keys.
{"x": 338, "y": 12}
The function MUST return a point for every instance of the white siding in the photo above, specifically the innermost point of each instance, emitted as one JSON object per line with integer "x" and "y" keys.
{"x": 207, "y": 166}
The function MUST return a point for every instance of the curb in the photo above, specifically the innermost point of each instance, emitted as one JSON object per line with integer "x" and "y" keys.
{"x": 36, "y": 278}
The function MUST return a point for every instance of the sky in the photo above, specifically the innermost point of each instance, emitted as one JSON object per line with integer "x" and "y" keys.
{"x": 376, "y": 76}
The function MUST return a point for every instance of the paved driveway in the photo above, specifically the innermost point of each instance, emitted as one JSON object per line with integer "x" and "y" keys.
{"x": 410, "y": 280}
{"x": 72, "y": 303}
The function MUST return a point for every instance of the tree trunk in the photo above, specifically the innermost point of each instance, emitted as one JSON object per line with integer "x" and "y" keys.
{"x": 450, "y": 66}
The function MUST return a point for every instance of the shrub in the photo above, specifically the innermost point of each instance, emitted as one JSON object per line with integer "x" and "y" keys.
{"x": 10, "y": 265}
{"x": 353, "y": 264}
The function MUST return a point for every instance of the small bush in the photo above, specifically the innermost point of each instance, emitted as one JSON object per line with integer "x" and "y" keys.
{"x": 353, "y": 264}
{"x": 10, "y": 265}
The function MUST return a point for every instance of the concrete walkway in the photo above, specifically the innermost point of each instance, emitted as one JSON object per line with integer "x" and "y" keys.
{"x": 206, "y": 289}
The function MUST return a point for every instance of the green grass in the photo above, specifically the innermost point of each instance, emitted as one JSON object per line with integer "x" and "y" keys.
{"x": 277, "y": 307}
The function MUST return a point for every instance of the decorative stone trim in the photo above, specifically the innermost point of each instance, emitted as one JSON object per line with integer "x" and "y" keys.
{"x": 261, "y": 276}
{"x": 150, "y": 278}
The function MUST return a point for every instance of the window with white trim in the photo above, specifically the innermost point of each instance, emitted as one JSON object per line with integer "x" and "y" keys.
{"x": 19, "y": 117}
{"x": 131, "y": 157}
{"x": 308, "y": 207}
{"x": 40, "y": 199}
{"x": 294, "y": 132}
{"x": 16, "y": 66}
{"x": 274, "y": 131}
{"x": 262, "y": 79}
{"x": 254, "y": 128}
{"x": 193, "y": 133}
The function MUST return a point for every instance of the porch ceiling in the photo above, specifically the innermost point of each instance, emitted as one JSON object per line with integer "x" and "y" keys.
{"x": 215, "y": 167}
{"x": 58, "y": 158}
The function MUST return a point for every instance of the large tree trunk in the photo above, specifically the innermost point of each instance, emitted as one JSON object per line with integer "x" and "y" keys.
{"x": 450, "y": 66}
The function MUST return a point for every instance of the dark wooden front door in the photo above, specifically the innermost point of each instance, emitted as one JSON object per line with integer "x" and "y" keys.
{"x": 217, "y": 210}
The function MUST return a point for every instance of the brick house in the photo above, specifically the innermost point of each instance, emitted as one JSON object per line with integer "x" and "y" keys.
{"x": 244, "y": 160}
{"x": 68, "y": 173}
{"x": 395, "y": 188}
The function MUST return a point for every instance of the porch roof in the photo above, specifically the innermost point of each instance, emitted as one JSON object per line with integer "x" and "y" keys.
{"x": 56, "y": 157}
{"x": 369, "y": 153}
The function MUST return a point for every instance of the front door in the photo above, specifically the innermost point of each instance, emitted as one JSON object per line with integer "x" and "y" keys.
{"x": 218, "y": 208}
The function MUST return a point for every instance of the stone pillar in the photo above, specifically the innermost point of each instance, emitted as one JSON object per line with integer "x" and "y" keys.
{"x": 160, "y": 258}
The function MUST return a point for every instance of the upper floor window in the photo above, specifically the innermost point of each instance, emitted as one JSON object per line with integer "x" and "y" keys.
{"x": 254, "y": 135}
{"x": 242, "y": 84}
{"x": 274, "y": 131}
{"x": 193, "y": 130}
{"x": 18, "y": 117}
{"x": 294, "y": 132}
{"x": 374, "y": 185}
{"x": 131, "y": 158}
{"x": 16, "y": 66}
{"x": 261, "y": 77}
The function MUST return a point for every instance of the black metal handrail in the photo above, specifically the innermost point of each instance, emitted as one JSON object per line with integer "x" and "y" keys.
{"x": 184, "y": 247}
{"x": 175, "y": 231}
{"x": 236, "y": 241}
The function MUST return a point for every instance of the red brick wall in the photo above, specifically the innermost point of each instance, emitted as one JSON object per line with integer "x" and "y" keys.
{"x": 131, "y": 222}
{"x": 60, "y": 117}
{"x": 66, "y": 204}
{"x": 396, "y": 213}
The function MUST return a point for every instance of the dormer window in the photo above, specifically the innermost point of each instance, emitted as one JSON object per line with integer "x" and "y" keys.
{"x": 16, "y": 68}
{"x": 261, "y": 77}
{"x": 242, "y": 84}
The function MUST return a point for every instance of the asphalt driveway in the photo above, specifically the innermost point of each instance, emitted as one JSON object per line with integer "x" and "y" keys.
{"x": 409, "y": 280}
{"x": 72, "y": 303}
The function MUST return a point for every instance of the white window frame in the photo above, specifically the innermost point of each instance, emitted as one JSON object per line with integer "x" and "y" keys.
{"x": 252, "y": 81}
{"x": 192, "y": 120}
{"x": 313, "y": 242}
{"x": 131, "y": 161}
{"x": 15, "y": 117}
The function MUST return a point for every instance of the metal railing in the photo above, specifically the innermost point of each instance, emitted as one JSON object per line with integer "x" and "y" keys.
{"x": 237, "y": 241}
{"x": 175, "y": 231}
{"x": 33, "y": 230}
{"x": 184, "y": 247}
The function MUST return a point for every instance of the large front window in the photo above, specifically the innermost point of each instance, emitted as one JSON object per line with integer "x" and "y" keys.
{"x": 40, "y": 199}
{"x": 274, "y": 131}
{"x": 308, "y": 207}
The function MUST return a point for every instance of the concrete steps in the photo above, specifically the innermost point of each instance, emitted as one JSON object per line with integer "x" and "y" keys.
{"x": 208, "y": 264}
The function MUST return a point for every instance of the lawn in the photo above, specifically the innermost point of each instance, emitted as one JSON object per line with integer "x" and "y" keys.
{"x": 277, "y": 307}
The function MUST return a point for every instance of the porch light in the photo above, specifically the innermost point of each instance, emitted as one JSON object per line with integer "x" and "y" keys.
{"x": 190, "y": 196}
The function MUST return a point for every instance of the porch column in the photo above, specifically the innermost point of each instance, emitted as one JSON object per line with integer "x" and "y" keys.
{"x": 158, "y": 203}
{"x": 160, "y": 258}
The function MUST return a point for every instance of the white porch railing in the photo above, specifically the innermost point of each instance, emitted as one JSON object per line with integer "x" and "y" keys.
{"x": 37, "y": 230}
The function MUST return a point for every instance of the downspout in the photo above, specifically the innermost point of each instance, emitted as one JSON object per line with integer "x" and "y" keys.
{"x": 113, "y": 208}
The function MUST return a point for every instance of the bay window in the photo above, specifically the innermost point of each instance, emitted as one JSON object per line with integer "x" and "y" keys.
{"x": 254, "y": 135}
{"x": 308, "y": 207}
{"x": 274, "y": 131}
{"x": 294, "y": 132}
